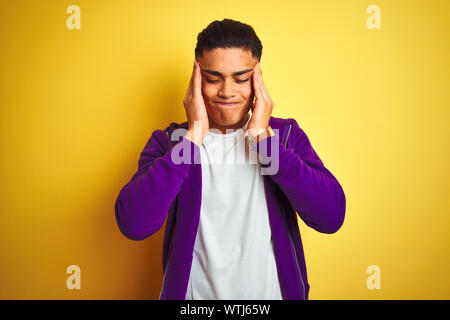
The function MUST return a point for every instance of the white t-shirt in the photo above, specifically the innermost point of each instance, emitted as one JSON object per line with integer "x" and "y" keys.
{"x": 233, "y": 254}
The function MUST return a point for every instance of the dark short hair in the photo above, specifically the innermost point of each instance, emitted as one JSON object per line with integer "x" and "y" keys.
{"x": 228, "y": 33}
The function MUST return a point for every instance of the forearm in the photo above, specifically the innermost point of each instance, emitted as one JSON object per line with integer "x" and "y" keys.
{"x": 312, "y": 190}
{"x": 142, "y": 204}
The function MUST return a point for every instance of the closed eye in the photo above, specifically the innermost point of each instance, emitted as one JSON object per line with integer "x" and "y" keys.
{"x": 214, "y": 81}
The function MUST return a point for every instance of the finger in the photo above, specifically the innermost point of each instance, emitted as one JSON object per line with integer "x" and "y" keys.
{"x": 197, "y": 82}
{"x": 259, "y": 85}
{"x": 189, "y": 91}
{"x": 256, "y": 85}
{"x": 264, "y": 90}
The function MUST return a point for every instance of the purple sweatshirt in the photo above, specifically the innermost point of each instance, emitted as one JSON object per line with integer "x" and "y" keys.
{"x": 162, "y": 189}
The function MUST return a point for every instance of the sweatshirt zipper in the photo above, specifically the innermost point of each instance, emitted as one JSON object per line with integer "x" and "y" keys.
{"x": 290, "y": 239}
{"x": 287, "y": 136}
{"x": 298, "y": 267}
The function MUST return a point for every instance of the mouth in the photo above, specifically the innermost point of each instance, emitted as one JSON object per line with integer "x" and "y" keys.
{"x": 227, "y": 104}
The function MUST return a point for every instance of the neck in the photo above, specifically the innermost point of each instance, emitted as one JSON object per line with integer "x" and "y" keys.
{"x": 223, "y": 129}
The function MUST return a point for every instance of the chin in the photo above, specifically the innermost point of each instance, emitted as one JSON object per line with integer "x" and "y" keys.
{"x": 225, "y": 118}
{"x": 227, "y": 121}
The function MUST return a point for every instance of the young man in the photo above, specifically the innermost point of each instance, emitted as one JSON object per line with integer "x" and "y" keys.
{"x": 231, "y": 230}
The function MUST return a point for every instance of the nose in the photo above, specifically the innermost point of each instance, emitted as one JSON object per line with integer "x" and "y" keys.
{"x": 226, "y": 89}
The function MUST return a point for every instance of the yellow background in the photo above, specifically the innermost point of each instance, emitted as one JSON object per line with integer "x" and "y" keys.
{"x": 78, "y": 106}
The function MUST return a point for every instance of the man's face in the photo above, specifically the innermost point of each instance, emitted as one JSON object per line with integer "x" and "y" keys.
{"x": 227, "y": 77}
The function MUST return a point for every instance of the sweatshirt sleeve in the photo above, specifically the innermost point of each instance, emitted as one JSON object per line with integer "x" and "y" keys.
{"x": 143, "y": 203}
{"x": 312, "y": 190}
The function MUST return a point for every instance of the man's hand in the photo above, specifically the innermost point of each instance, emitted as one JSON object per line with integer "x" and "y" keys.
{"x": 198, "y": 123}
{"x": 262, "y": 107}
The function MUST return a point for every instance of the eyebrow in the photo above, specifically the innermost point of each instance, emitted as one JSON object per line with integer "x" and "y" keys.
{"x": 217, "y": 73}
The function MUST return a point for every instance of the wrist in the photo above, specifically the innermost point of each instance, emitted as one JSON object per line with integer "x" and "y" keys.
{"x": 266, "y": 134}
{"x": 259, "y": 134}
{"x": 253, "y": 133}
{"x": 255, "y": 136}
{"x": 194, "y": 136}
